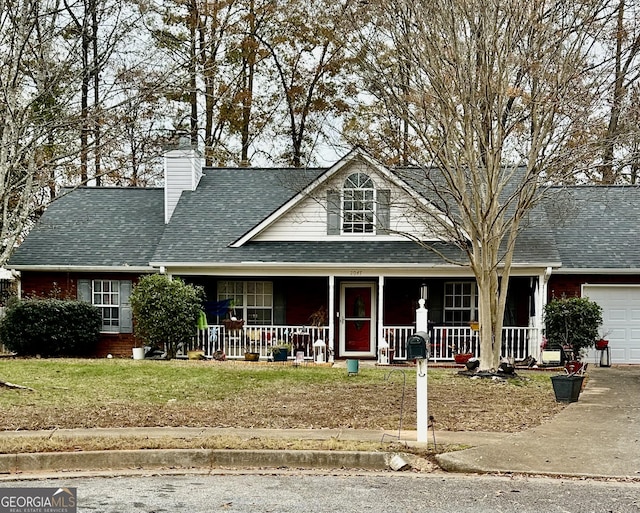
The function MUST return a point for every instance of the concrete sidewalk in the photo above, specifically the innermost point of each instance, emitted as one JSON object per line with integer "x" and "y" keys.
{"x": 597, "y": 436}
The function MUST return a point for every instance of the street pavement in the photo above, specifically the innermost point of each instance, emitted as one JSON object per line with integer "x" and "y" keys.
{"x": 598, "y": 436}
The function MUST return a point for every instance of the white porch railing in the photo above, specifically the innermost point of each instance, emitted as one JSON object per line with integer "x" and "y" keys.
{"x": 446, "y": 341}
{"x": 234, "y": 343}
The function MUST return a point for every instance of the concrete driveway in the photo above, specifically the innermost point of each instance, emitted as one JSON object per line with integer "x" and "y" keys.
{"x": 597, "y": 436}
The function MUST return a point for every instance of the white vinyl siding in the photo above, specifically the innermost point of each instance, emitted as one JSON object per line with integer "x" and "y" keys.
{"x": 183, "y": 171}
{"x": 308, "y": 221}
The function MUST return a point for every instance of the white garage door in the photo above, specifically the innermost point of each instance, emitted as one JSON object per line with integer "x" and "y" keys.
{"x": 621, "y": 319}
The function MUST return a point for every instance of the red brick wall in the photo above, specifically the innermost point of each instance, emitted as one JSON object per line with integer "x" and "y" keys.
{"x": 63, "y": 285}
{"x": 570, "y": 285}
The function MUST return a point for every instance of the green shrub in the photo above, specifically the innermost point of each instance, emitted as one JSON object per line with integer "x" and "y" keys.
{"x": 51, "y": 327}
{"x": 572, "y": 322}
{"x": 165, "y": 311}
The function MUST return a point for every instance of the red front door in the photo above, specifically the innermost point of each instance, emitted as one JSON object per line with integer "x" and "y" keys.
{"x": 358, "y": 326}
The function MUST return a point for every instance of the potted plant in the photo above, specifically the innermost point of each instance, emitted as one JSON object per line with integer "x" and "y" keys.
{"x": 571, "y": 325}
{"x": 280, "y": 352}
{"x": 251, "y": 353}
{"x": 461, "y": 348}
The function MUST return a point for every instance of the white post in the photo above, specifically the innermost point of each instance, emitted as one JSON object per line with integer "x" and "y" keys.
{"x": 380, "y": 326}
{"x": 331, "y": 346}
{"x": 422, "y": 405}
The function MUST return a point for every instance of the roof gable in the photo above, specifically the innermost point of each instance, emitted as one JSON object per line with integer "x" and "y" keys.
{"x": 304, "y": 216}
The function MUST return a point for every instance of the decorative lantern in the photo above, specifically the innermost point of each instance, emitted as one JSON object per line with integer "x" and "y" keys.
{"x": 383, "y": 352}
{"x": 319, "y": 348}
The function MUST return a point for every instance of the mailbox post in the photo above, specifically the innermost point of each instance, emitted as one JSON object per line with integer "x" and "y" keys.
{"x": 418, "y": 349}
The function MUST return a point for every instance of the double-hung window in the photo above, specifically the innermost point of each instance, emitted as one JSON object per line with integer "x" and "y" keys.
{"x": 460, "y": 303}
{"x": 111, "y": 297}
{"x": 358, "y": 204}
{"x": 251, "y": 300}
{"x": 359, "y": 208}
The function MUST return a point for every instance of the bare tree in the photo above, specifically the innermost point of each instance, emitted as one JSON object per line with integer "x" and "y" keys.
{"x": 306, "y": 43}
{"x": 495, "y": 92}
{"x": 34, "y": 106}
{"x": 617, "y": 141}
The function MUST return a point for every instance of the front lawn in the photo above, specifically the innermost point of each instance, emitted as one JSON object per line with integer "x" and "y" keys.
{"x": 70, "y": 393}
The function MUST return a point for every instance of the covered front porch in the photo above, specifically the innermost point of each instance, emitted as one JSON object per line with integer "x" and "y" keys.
{"x": 445, "y": 341}
{"x": 360, "y": 314}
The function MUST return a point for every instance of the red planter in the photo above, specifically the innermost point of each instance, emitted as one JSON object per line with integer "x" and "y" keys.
{"x": 573, "y": 366}
{"x": 602, "y": 344}
{"x": 462, "y": 357}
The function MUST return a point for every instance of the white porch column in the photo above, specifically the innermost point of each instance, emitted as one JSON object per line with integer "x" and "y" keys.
{"x": 380, "y": 309}
{"x": 541, "y": 301}
{"x": 331, "y": 343}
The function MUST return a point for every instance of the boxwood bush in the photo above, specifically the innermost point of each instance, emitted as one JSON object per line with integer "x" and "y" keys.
{"x": 51, "y": 327}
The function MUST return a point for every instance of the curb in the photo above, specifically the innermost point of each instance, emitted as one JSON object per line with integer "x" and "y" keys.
{"x": 197, "y": 458}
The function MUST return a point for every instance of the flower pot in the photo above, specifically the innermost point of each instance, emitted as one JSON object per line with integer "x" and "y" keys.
{"x": 567, "y": 388}
{"x": 138, "y": 353}
{"x": 233, "y": 324}
{"x": 573, "y": 366}
{"x": 280, "y": 355}
{"x": 251, "y": 357}
{"x": 462, "y": 357}
{"x": 602, "y": 344}
{"x": 195, "y": 355}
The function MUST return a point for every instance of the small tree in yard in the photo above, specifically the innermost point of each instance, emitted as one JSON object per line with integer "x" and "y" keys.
{"x": 572, "y": 322}
{"x": 165, "y": 311}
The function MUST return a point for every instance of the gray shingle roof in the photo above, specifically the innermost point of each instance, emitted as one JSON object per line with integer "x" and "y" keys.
{"x": 229, "y": 202}
{"x": 96, "y": 227}
{"x": 581, "y": 227}
{"x": 596, "y": 227}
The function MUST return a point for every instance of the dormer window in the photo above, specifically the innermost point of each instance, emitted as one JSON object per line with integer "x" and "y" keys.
{"x": 359, "y": 208}
{"x": 358, "y": 204}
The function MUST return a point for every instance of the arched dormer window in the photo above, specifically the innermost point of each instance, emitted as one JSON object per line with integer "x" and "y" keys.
{"x": 359, "y": 208}
{"x": 358, "y": 204}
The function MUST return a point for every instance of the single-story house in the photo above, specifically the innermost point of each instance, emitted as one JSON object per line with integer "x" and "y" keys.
{"x": 307, "y": 255}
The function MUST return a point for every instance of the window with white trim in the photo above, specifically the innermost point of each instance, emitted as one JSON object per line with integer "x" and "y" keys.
{"x": 251, "y": 300}
{"x": 358, "y": 204}
{"x": 111, "y": 297}
{"x": 106, "y": 297}
{"x": 460, "y": 303}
